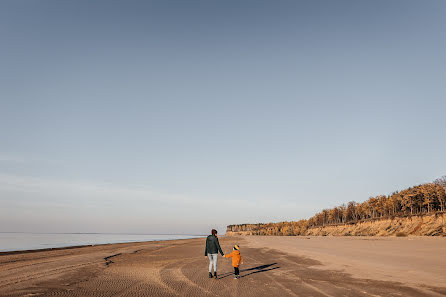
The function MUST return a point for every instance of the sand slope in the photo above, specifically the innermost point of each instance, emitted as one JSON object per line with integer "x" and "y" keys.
{"x": 179, "y": 268}
{"x": 415, "y": 225}
{"x": 433, "y": 224}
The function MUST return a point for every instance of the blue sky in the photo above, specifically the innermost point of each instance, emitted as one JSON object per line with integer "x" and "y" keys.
{"x": 175, "y": 117}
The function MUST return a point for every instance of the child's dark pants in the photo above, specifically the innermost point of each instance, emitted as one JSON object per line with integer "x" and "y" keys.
{"x": 236, "y": 271}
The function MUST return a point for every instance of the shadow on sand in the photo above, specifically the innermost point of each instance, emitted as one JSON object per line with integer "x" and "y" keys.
{"x": 253, "y": 270}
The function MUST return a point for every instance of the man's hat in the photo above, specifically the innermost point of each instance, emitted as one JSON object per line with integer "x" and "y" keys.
{"x": 236, "y": 247}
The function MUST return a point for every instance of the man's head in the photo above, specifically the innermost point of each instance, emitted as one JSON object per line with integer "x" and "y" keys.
{"x": 214, "y": 232}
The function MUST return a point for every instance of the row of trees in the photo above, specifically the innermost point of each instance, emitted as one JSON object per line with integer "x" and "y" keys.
{"x": 418, "y": 200}
{"x": 422, "y": 199}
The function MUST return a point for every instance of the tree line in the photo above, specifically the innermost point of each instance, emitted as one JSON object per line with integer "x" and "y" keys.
{"x": 418, "y": 200}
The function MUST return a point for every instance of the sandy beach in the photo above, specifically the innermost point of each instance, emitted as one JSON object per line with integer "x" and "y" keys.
{"x": 274, "y": 266}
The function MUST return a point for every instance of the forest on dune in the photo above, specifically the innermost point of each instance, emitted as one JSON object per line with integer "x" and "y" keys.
{"x": 419, "y": 200}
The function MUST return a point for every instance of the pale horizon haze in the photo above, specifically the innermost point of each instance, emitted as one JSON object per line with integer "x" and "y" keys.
{"x": 181, "y": 116}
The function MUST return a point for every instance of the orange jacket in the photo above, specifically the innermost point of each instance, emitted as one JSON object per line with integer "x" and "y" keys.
{"x": 236, "y": 258}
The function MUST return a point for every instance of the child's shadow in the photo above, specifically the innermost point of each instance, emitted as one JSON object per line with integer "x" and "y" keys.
{"x": 257, "y": 269}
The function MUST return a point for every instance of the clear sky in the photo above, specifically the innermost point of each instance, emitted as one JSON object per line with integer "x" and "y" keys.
{"x": 179, "y": 116}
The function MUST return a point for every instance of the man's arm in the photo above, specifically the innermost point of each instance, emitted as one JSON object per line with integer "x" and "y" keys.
{"x": 206, "y": 248}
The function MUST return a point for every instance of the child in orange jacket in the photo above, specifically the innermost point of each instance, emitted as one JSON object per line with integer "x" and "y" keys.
{"x": 236, "y": 260}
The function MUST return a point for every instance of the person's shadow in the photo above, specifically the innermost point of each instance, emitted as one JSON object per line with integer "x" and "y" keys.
{"x": 253, "y": 270}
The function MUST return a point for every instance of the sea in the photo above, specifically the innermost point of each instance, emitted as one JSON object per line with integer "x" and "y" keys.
{"x": 10, "y": 241}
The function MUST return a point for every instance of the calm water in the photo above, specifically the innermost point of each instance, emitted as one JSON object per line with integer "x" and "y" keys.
{"x": 32, "y": 241}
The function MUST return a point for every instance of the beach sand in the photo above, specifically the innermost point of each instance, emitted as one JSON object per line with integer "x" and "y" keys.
{"x": 274, "y": 266}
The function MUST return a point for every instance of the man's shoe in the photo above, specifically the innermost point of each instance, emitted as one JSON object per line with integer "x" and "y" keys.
{"x": 215, "y": 274}
{"x": 210, "y": 275}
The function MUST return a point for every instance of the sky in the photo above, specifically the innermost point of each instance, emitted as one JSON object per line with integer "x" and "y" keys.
{"x": 182, "y": 116}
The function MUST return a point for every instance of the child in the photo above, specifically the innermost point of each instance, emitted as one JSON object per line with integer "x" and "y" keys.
{"x": 236, "y": 260}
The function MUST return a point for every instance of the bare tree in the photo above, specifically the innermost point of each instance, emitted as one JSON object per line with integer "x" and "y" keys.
{"x": 441, "y": 181}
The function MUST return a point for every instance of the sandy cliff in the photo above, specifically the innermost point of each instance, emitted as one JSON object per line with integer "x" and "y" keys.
{"x": 425, "y": 225}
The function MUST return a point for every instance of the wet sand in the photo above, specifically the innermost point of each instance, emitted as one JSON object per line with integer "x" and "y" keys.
{"x": 179, "y": 268}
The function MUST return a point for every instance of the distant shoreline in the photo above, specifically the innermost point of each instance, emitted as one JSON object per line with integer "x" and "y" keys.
{"x": 81, "y": 246}
{"x": 84, "y": 245}
{"x": 109, "y": 233}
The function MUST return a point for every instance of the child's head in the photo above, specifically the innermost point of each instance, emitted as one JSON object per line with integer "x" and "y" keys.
{"x": 236, "y": 247}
